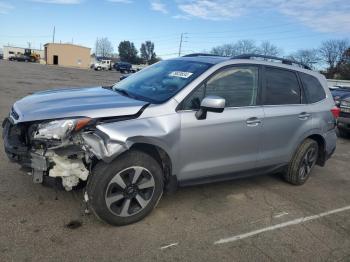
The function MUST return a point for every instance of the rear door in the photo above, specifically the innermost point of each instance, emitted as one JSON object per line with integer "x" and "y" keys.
{"x": 287, "y": 116}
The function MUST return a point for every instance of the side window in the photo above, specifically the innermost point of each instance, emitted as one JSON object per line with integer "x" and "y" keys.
{"x": 238, "y": 85}
{"x": 193, "y": 102}
{"x": 312, "y": 87}
{"x": 281, "y": 87}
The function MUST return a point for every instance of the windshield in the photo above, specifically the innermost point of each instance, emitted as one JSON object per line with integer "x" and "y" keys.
{"x": 161, "y": 81}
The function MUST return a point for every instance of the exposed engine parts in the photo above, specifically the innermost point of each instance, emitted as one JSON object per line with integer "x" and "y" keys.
{"x": 70, "y": 170}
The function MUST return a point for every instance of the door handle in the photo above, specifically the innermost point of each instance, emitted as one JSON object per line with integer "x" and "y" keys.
{"x": 304, "y": 116}
{"x": 253, "y": 121}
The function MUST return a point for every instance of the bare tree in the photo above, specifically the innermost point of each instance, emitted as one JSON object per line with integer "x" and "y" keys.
{"x": 308, "y": 57}
{"x": 268, "y": 49}
{"x": 332, "y": 51}
{"x": 245, "y": 47}
{"x": 223, "y": 50}
{"x": 103, "y": 47}
{"x": 238, "y": 48}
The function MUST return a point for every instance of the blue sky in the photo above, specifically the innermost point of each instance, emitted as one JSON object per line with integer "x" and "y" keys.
{"x": 291, "y": 25}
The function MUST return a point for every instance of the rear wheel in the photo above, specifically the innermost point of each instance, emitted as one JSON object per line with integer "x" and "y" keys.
{"x": 302, "y": 163}
{"x": 126, "y": 190}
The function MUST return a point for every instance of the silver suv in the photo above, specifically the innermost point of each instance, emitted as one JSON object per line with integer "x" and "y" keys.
{"x": 184, "y": 121}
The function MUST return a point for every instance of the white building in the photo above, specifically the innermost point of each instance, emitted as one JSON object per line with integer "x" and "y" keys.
{"x": 9, "y": 51}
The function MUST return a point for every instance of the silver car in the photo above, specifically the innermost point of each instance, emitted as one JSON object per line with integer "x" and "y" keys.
{"x": 183, "y": 121}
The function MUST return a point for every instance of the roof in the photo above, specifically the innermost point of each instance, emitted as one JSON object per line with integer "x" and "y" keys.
{"x": 205, "y": 59}
{"x": 67, "y": 44}
{"x": 214, "y": 59}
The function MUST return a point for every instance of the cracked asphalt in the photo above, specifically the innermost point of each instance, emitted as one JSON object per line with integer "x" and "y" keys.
{"x": 185, "y": 225}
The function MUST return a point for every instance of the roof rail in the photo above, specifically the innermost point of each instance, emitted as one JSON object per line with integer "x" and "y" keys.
{"x": 283, "y": 60}
{"x": 199, "y": 54}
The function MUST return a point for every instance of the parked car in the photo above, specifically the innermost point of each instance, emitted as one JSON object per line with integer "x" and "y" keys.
{"x": 184, "y": 121}
{"x": 344, "y": 117}
{"x": 21, "y": 58}
{"x": 103, "y": 65}
{"x": 339, "y": 93}
{"x": 123, "y": 67}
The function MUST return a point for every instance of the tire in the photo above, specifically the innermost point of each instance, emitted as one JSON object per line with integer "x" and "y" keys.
{"x": 116, "y": 197}
{"x": 302, "y": 163}
{"x": 343, "y": 133}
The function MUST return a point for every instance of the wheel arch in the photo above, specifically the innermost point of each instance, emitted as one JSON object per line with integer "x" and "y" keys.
{"x": 163, "y": 158}
{"x": 321, "y": 148}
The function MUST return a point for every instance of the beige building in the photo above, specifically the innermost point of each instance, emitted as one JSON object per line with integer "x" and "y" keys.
{"x": 67, "y": 55}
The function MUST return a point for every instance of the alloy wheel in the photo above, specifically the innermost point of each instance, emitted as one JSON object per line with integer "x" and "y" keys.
{"x": 130, "y": 191}
{"x": 308, "y": 162}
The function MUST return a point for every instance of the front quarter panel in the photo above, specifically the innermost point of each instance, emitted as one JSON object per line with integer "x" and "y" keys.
{"x": 162, "y": 131}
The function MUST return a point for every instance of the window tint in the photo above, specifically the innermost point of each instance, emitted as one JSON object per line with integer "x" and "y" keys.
{"x": 281, "y": 87}
{"x": 313, "y": 89}
{"x": 238, "y": 85}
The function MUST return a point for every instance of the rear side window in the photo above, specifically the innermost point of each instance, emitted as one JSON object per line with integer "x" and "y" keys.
{"x": 281, "y": 87}
{"x": 312, "y": 87}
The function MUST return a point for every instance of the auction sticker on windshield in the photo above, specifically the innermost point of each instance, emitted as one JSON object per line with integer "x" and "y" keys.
{"x": 180, "y": 74}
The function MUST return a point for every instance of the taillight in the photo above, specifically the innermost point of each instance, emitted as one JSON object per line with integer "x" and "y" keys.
{"x": 335, "y": 111}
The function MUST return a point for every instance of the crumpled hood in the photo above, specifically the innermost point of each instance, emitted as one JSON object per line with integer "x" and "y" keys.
{"x": 94, "y": 102}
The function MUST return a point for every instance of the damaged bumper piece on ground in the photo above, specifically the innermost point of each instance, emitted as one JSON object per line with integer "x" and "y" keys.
{"x": 65, "y": 152}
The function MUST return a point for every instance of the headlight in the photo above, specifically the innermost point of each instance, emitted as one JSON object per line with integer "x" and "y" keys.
{"x": 59, "y": 129}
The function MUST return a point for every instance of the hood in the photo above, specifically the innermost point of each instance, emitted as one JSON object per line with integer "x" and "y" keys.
{"x": 341, "y": 93}
{"x": 94, "y": 102}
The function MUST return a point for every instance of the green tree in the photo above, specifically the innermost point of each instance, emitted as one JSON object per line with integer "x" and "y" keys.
{"x": 147, "y": 53}
{"x": 128, "y": 52}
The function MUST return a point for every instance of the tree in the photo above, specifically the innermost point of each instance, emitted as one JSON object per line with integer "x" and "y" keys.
{"x": 343, "y": 68}
{"x": 223, "y": 50}
{"x": 268, "y": 49}
{"x": 245, "y": 47}
{"x": 238, "y": 48}
{"x": 147, "y": 52}
{"x": 103, "y": 47}
{"x": 308, "y": 57}
{"x": 128, "y": 52}
{"x": 332, "y": 52}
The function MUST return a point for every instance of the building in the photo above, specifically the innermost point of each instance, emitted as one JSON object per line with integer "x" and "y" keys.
{"x": 9, "y": 51}
{"x": 67, "y": 55}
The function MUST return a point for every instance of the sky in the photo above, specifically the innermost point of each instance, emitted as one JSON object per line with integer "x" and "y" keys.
{"x": 289, "y": 24}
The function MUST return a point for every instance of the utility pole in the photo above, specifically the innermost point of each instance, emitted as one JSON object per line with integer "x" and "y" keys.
{"x": 53, "y": 35}
{"x": 180, "y": 46}
{"x": 182, "y": 40}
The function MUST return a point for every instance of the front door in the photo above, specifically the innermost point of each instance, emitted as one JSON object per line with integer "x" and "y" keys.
{"x": 227, "y": 142}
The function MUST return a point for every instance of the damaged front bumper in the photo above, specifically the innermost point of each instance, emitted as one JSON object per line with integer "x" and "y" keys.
{"x": 64, "y": 164}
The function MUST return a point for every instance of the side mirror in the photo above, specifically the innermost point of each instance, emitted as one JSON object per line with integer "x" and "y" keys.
{"x": 210, "y": 104}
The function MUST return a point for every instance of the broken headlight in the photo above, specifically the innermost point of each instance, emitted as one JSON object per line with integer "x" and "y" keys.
{"x": 59, "y": 129}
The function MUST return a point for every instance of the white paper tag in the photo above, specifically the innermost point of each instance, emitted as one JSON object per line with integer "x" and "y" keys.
{"x": 180, "y": 74}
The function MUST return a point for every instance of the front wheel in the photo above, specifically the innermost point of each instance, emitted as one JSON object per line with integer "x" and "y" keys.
{"x": 126, "y": 190}
{"x": 302, "y": 163}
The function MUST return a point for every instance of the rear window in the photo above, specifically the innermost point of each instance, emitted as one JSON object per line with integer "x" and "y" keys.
{"x": 312, "y": 87}
{"x": 281, "y": 87}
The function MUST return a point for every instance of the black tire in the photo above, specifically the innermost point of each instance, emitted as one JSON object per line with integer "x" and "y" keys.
{"x": 101, "y": 188}
{"x": 343, "y": 133}
{"x": 302, "y": 163}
